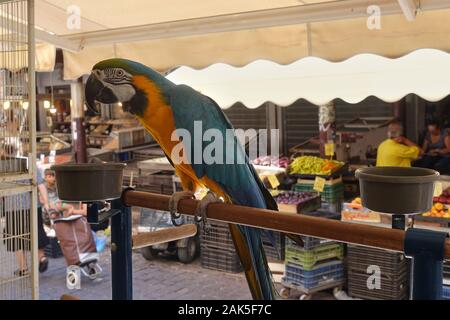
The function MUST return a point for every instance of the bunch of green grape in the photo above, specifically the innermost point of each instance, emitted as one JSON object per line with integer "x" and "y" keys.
{"x": 307, "y": 165}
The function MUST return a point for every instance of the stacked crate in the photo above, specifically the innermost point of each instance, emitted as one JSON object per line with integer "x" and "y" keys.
{"x": 316, "y": 266}
{"x": 332, "y": 194}
{"x": 279, "y": 240}
{"x": 366, "y": 265}
{"x": 217, "y": 248}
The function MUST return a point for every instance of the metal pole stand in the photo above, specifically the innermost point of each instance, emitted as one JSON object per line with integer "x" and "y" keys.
{"x": 121, "y": 246}
{"x": 426, "y": 248}
{"x": 121, "y": 252}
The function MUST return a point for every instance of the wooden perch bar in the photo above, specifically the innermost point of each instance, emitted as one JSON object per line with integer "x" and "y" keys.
{"x": 164, "y": 235}
{"x": 366, "y": 235}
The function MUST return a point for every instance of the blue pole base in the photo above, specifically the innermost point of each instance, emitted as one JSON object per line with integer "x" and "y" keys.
{"x": 426, "y": 248}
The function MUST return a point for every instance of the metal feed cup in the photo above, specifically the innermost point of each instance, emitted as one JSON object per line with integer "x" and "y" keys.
{"x": 89, "y": 182}
{"x": 397, "y": 190}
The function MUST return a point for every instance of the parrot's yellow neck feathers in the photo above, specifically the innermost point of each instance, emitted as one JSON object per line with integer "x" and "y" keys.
{"x": 157, "y": 117}
{"x": 151, "y": 90}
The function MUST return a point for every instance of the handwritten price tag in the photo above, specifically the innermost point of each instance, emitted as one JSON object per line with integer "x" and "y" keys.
{"x": 273, "y": 180}
{"x": 319, "y": 184}
{"x": 329, "y": 149}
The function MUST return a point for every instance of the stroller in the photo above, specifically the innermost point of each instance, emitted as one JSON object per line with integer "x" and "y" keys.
{"x": 77, "y": 244}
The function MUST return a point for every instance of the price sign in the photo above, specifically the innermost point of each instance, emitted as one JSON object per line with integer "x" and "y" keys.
{"x": 319, "y": 184}
{"x": 329, "y": 149}
{"x": 437, "y": 189}
{"x": 273, "y": 180}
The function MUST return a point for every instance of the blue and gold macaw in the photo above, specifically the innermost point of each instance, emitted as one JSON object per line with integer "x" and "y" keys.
{"x": 162, "y": 107}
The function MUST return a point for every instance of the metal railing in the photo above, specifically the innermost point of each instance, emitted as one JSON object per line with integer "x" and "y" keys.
{"x": 366, "y": 235}
{"x": 427, "y": 248}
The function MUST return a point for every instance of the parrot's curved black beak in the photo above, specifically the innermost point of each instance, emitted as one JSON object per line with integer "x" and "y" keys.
{"x": 96, "y": 91}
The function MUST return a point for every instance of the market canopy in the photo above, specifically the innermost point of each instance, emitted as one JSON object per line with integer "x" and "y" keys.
{"x": 170, "y": 33}
{"x": 423, "y": 72}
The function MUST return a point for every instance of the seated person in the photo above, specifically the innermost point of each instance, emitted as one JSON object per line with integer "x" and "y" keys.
{"x": 58, "y": 208}
{"x": 397, "y": 150}
{"x": 436, "y": 149}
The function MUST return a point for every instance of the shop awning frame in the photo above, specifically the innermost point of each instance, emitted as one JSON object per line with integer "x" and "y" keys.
{"x": 308, "y": 13}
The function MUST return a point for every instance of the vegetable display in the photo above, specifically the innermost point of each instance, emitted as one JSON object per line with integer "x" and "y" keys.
{"x": 272, "y": 161}
{"x": 438, "y": 211}
{"x": 444, "y": 197}
{"x": 314, "y": 165}
{"x": 295, "y": 197}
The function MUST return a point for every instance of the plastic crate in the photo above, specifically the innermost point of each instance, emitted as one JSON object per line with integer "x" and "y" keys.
{"x": 330, "y": 194}
{"x": 394, "y": 272}
{"x": 217, "y": 249}
{"x": 213, "y": 236}
{"x": 217, "y": 260}
{"x": 308, "y": 258}
{"x": 309, "y": 205}
{"x": 327, "y": 273}
{"x": 278, "y": 251}
{"x": 311, "y": 242}
{"x": 363, "y": 293}
{"x": 446, "y": 292}
{"x": 391, "y": 262}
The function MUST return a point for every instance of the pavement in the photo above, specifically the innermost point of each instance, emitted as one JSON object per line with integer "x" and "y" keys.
{"x": 164, "y": 278}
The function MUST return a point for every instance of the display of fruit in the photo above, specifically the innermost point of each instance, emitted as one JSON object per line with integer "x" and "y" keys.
{"x": 272, "y": 161}
{"x": 444, "y": 197}
{"x": 355, "y": 204}
{"x": 314, "y": 165}
{"x": 438, "y": 211}
{"x": 295, "y": 197}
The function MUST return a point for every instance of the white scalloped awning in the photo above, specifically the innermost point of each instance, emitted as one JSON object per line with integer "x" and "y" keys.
{"x": 423, "y": 72}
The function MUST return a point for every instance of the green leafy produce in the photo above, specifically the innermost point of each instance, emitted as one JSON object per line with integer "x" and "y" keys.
{"x": 314, "y": 165}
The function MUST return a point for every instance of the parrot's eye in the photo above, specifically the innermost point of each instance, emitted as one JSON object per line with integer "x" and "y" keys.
{"x": 119, "y": 73}
{"x": 97, "y": 73}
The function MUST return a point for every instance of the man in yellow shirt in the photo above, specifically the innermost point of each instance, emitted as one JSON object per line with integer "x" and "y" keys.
{"x": 396, "y": 151}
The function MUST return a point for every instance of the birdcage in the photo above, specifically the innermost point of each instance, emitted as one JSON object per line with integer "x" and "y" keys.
{"x": 18, "y": 196}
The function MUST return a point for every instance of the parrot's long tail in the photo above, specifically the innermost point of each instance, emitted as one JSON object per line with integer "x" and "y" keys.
{"x": 247, "y": 241}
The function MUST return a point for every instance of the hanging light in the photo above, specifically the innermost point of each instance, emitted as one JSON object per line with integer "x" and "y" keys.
{"x": 46, "y": 104}
{"x": 25, "y": 105}
{"x": 53, "y": 110}
{"x": 119, "y": 104}
{"x": 6, "y": 104}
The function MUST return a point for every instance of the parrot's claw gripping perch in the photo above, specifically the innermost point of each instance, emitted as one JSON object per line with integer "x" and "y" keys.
{"x": 173, "y": 205}
{"x": 202, "y": 208}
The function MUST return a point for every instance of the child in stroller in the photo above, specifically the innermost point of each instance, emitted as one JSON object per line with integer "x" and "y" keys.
{"x": 73, "y": 231}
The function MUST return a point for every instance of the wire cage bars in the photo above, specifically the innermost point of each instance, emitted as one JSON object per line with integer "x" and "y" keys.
{"x": 15, "y": 246}
{"x": 18, "y": 199}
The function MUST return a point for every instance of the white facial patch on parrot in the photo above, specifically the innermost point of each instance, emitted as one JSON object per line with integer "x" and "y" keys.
{"x": 123, "y": 90}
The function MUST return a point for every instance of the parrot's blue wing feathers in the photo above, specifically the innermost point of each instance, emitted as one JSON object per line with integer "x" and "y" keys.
{"x": 238, "y": 178}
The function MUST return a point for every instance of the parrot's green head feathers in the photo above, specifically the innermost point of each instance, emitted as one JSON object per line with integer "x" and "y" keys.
{"x": 112, "y": 81}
